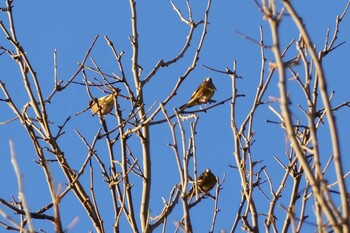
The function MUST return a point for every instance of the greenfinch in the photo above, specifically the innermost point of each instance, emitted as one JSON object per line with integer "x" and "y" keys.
{"x": 203, "y": 94}
{"x": 103, "y": 105}
{"x": 205, "y": 182}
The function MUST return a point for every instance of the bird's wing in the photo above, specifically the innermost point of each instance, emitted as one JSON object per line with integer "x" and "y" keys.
{"x": 201, "y": 178}
{"x": 200, "y": 88}
{"x": 108, "y": 100}
{"x": 193, "y": 98}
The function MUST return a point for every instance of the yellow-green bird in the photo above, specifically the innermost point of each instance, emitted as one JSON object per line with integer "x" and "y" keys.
{"x": 103, "y": 105}
{"x": 203, "y": 94}
{"x": 205, "y": 182}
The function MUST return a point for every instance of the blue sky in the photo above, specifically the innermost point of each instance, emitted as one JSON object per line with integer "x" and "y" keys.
{"x": 70, "y": 27}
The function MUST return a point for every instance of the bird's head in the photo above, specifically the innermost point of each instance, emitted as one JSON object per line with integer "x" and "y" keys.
{"x": 207, "y": 170}
{"x": 208, "y": 79}
{"x": 91, "y": 102}
{"x": 210, "y": 82}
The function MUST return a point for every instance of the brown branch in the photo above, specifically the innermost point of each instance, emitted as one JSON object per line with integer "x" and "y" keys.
{"x": 167, "y": 209}
{"x": 130, "y": 214}
{"x": 253, "y": 40}
{"x": 21, "y": 192}
{"x": 216, "y": 204}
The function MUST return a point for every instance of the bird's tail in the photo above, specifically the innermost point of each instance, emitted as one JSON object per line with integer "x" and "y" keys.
{"x": 183, "y": 107}
{"x": 190, "y": 193}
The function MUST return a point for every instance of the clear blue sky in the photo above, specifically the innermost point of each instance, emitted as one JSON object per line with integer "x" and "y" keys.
{"x": 70, "y": 27}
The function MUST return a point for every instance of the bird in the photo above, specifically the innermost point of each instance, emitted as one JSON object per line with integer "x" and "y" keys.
{"x": 203, "y": 94}
{"x": 103, "y": 105}
{"x": 205, "y": 182}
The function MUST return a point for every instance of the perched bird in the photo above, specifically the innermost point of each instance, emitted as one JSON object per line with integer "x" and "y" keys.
{"x": 202, "y": 95}
{"x": 103, "y": 105}
{"x": 205, "y": 182}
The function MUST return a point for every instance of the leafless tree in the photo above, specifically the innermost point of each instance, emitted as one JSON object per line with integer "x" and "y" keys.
{"x": 127, "y": 139}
